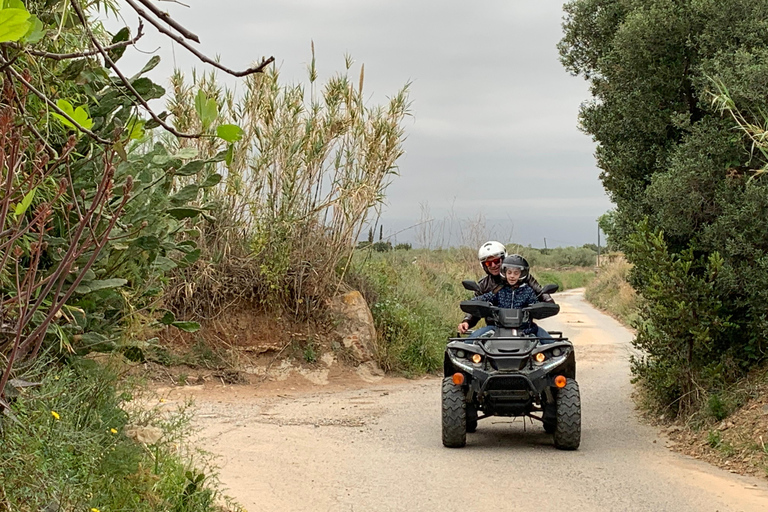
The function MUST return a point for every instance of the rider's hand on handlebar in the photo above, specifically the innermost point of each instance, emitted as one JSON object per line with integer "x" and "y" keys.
{"x": 463, "y": 327}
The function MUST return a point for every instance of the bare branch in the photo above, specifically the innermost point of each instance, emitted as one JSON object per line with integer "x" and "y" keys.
{"x": 167, "y": 19}
{"x": 111, "y": 64}
{"x": 257, "y": 69}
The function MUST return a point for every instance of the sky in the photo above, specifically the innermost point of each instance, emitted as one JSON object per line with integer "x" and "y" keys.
{"x": 493, "y": 149}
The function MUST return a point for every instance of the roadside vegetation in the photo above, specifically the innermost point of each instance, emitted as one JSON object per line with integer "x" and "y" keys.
{"x": 120, "y": 223}
{"x": 686, "y": 178}
{"x": 678, "y": 113}
{"x": 414, "y": 295}
{"x": 611, "y": 292}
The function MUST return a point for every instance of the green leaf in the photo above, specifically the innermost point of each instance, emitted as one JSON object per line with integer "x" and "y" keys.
{"x": 184, "y": 212}
{"x": 147, "y": 89}
{"x": 79, "y": 114}
{"x": 190, "y": 257}
{"x": 229, "y": 132}
{"x": 154, "y": 124}
{"x": 148, "y": 242}
{"x": 22, "y": 207}
{"x": 82, "y": 118}
{"x": 164, "y": 264}
{"x": 187, "y": 326}
{"x": 206, "y": 109}
{"x": 191, "y": 168}
{"x": 122, "y": 35}
{"x": 100, "y": 284}
{"x": 211, "y": 181}
{"x": 230, "y": 154}
{"x": 14, "y": 23}
{"x": 218, "y": 157}
{"x": 36, "y": 30}
{"x": 185, "y": 195}
{"x": 149, "y": 66}
{"x": 186, "y": 153}
{"x": 168, "y": 318}
{"x": 136, "y": 127}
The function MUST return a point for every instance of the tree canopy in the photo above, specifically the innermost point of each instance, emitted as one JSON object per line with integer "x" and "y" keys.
{"x": 690, "y": 201}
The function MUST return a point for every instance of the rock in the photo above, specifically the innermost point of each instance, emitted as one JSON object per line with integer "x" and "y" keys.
{"x": 355, "y": 329}
{"x": 146, "y": 435}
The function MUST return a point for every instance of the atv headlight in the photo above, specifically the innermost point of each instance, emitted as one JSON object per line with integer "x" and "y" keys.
{"x": 477, "y": 358}
{"x": 460, "y": 354}
{"x": 540, "y": 357}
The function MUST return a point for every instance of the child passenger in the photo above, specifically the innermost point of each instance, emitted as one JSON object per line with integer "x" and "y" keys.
{"x": 514, "y": 294}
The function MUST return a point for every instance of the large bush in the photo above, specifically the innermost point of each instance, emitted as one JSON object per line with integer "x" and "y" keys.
{"x": 668, "y": 155}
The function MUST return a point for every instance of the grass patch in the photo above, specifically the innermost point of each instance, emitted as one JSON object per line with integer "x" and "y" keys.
{"x": 79, "y": 442}
{"x": 414, "y": 297}
{"x": 611, "y": 292}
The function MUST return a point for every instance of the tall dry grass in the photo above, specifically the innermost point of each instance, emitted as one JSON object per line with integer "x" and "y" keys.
{"x": 312, "y": 167}
{"x": 611, "y": 292}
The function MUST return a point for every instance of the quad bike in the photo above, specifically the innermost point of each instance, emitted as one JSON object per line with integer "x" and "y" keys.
{"x": 508, "y": 373}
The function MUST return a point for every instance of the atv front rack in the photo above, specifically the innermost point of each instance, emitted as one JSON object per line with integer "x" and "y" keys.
{"x": 553, "y": 336}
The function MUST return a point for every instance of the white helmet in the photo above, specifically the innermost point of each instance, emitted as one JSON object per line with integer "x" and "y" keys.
{"x": 490, "y": 250}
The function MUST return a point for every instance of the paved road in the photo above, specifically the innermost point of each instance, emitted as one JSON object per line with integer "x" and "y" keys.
{"x": 378, "y": 448}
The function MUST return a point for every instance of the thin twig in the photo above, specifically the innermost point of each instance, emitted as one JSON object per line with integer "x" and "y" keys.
{"x": 85, "y": 53}
{"x": 170, "y": 22}
{"x": 54, "y": 106}
{"x": 258, "y": 69}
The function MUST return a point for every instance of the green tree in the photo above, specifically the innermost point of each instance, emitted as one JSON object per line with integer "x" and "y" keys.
{"x": 669, "y": 155}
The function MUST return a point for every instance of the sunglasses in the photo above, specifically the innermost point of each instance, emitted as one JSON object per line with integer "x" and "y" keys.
{"x": 492, "y": 262}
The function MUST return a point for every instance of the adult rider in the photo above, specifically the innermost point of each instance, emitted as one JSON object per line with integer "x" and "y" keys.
{"x": 491, "y": 255}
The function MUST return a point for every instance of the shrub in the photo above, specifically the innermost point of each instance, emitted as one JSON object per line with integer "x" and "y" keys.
{"x": 78, "y": 441}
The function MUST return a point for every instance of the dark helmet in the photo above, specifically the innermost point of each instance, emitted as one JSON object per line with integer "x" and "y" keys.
{"x": 516, "y": 261}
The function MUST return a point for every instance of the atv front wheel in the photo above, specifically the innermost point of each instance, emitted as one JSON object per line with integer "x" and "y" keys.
{"x": 568, "y": 421}
{"x": 454, "y": 415}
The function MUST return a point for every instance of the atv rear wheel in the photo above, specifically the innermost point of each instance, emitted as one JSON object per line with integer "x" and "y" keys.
{"x": 568, "y": 423}
{"x": 454, "y": 415}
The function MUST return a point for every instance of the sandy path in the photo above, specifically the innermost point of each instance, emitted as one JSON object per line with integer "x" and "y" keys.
{"x": 377, "y": 447}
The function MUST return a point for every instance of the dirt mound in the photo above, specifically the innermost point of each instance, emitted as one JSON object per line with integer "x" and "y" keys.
{"x": 242, "y": 345}
{"x": 739, "y": 443}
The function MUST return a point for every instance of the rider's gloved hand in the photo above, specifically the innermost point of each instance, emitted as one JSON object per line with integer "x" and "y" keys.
{"x": 463, "y": 327}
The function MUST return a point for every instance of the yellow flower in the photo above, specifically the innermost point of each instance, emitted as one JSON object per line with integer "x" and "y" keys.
{"x": 55, "y": 415}
{"x": 113, "y": 431}
{"x": 95, "y": 510}
{"x": 162, "y": 400}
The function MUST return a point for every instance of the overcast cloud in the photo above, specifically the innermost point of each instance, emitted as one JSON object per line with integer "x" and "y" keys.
{"x": 494, "y": 128}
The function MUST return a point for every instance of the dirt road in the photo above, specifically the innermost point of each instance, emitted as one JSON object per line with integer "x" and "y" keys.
{"x": 378, "y": 447}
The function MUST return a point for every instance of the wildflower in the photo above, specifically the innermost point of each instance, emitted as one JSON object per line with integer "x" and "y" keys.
{"x": 95, "y": 510}
{"x": 162, "y": 400}
{"x": 55, "y": 415}
{"x": 114, "y": 431}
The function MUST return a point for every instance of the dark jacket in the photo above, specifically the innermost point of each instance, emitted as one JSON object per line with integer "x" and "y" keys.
{"x": 491, "y": 283}
{"x": 516, "y": 297}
